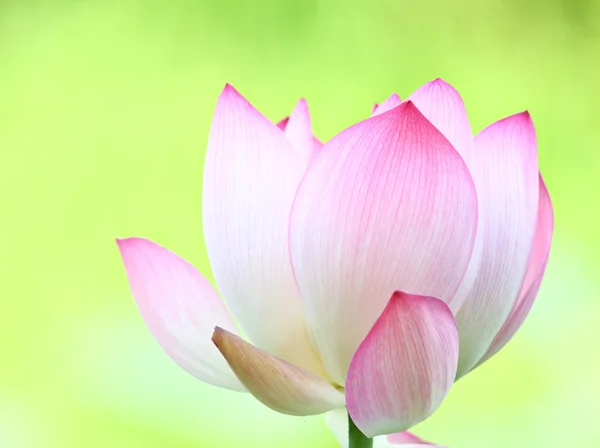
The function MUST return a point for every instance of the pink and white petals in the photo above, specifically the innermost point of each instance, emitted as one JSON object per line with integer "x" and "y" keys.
{"x": 251, "y": 174}
{"x": 279, "y": 385}
{"x": 337, "y": 421}
{"x": 396, "y": 210}
{"x": 180, "y": 307}
{"x": 393, "y": 101}
{"x": 298, "y": 130}
{"x": 506, "y": 174}
{"x": 533, "y": 278}
{"x": 404, "y": 368}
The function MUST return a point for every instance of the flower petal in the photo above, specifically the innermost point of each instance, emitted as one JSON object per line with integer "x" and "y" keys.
{"x": 337, "y": 421}
{"x": 443, "y": 107}
{"x": 393, "y": 101}
{"x": 385, "y": 443}
{"x": 279, "y": 385}
{"x": 405, "y": 438}
{"x": 404, "y": 368}
{"x": 506, "y": 176}
{"x": 251, "y": 174}
{"x": 180, "y": 307}
{"x": 533, "y": 277}
{"x": 388, "y": 204}
{"x": 298, "y": 130}
{"x": 282, "y": 124}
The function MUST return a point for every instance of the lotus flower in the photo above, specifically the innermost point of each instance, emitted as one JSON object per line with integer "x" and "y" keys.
{"x": 369, "y": 272}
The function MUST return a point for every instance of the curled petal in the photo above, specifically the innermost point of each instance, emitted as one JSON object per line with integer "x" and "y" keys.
{"x": 251, "y": 174}
{"x": 533, "y": 277}
{"x": 387, "y": 205}
{"x": 506, "y": 176}
{"x": 404, "y": 368}
{"x": 180, "y": 307}
{"x": 279, "y": 385}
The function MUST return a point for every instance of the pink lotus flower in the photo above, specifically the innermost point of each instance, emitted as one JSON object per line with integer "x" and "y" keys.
{"x": 369, "y": 272}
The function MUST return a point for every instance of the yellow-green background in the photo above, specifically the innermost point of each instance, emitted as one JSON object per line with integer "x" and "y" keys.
{"x": 104, "y": 111}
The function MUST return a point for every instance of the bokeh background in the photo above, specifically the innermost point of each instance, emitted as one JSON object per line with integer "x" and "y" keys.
{"x": 105, "y": 108}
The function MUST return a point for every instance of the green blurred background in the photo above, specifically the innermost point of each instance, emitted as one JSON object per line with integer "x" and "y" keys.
{"x": 105, "y": 108}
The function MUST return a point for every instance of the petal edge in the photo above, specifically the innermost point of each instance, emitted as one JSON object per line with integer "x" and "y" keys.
{"x": 251, "y": 174}
{"x": 404, "y": 368}
{"x": 277, "y": 384}
{"x": 180, "y": 307}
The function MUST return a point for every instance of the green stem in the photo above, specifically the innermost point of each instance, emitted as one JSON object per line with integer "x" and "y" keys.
{"x": 356, "y": 438}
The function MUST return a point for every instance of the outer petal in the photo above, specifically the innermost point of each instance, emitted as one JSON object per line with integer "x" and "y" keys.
{"x": 533, "y": 277}
{"x": 180, "y": 308}
{"x": 393, "y": 101}
{"x": 443, "y": 107}
{"x": 279, "y": 385}
{"x": 506, "y": 175}
{"x": 387, "y": 205}
{"x": 337, "y": 420}
{"x": 298, "y": 130}
{"x": 251, "y": 174}
{"x": 404, "y": 368}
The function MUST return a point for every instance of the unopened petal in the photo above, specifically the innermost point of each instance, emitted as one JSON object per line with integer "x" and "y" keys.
{"x": 251, "y": 174}
{"x": 506, "y": 177}
{"x": 180, "y": 307}
{"x": 393, "y": 101}
{"x": 404, "y": 368}
{"x": 279, "y": 385}
{"x": 533, "y": 278}
{"x": 387, "y": 205}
